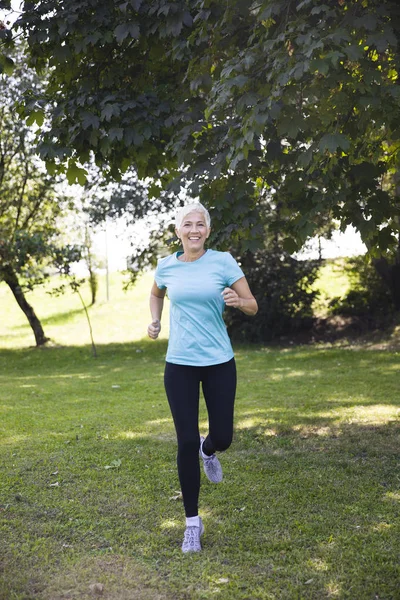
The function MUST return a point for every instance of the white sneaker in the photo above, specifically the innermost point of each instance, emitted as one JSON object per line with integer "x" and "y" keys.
{"x": 191, "y": 540}
{"x": 211, "y": 464}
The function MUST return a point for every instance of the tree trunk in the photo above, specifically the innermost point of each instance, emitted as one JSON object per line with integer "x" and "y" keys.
{"x": 93, "y": 282}
{"x": 11, "y": 279}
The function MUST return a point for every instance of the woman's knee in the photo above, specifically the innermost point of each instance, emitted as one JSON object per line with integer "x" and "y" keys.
{"x": 222, "y": 443}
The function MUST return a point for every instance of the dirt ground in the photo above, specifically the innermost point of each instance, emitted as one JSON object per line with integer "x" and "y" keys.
{"x": 348, "y": 331}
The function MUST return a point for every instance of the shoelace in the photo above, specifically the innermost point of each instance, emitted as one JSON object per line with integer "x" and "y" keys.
{"x": 191, "y": 535}
{"x": 210, "y": 460}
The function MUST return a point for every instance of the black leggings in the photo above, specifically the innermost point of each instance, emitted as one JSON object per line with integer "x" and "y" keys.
{"x": 182, "y": 384}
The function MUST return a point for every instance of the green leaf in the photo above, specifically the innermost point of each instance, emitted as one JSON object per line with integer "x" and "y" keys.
{"x": 5, "y": 34}
{"x": 36, "y": 116}
{"x": 334, "y": 57}
{"x": 93, "y": 38}
{"x": 154, "y": 190}
{"x": 290, "y": 126}
{"x": 131, "y": 136}
{"x": 51, "y": 167}
{"x": 386, "y": 238}
{"x": 134, "y": 31}
{"x": 354, "y": 52}
{"x": 122, "y": 31}
{"x": 116, "y": 133}
{"x": 332, "y": 141}
{"x": 239, "y": 81}
{"x": 318, "y": 9}
{"x": 76, "y": 174}
{"x": 305, "y": 158}
{"x": 368, "y": 21}
{"x": 187, "y": 19}
{"x": 6, "y": 64}
{"x": 174, "y": 24}
{"x": 207, "y": 113}
{"x": 109, "y": 111}
{"x": 382, "y": 40}
{"x": 249, "y": 136}
{"x": 126, "y": 163}
{"x": 290, "y": 245}
{"x": 303, "y": 4}
{"x": 90, "y": 120}
{"x": 320, "y": 65}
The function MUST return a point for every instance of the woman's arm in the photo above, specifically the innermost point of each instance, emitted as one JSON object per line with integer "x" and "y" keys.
{"x": 156, "y": 307}
{"x": 239, "y": 296}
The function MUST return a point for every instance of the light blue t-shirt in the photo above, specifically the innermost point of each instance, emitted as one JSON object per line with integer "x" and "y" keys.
{"x": 198, "y": 335}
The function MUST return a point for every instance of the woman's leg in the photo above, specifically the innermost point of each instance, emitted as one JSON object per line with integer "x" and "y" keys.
{"x": 219, "y": 389}
{"x": 182, "y": 388}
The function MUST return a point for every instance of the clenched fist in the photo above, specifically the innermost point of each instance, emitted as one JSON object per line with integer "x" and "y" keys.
{"x": 231, "y": 298}
{"x": 154, "y": 329}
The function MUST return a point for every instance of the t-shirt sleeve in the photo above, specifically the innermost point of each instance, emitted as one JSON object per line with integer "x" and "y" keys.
{"x": 232, "y": 270}
{"x": 158, "y": 276}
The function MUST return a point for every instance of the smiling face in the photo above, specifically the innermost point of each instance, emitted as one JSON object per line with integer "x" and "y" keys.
{"x": 193, "y": 232}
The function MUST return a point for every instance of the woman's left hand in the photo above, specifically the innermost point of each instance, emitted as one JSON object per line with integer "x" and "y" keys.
{"x": 231, "y": 298}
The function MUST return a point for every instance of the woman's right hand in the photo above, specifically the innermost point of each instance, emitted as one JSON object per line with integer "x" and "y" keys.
{"x": 154, "y": 329}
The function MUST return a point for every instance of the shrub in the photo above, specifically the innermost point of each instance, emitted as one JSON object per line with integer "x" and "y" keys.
{"x": 369, "y": 297}
{"x": 282, "y": 287}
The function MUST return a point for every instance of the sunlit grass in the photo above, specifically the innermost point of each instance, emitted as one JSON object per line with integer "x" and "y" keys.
{"x": 122, "y": 318}
{"x": 332, "y": 282}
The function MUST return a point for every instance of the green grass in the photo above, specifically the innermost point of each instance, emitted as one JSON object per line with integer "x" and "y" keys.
{"x": 332, "y": 282}
{"x": 122, "y": 318}
{"x": 309, "y": 506}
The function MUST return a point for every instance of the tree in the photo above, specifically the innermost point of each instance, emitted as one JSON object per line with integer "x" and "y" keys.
{"x": 29, "y": 206}
{"x": 296, "y": 103}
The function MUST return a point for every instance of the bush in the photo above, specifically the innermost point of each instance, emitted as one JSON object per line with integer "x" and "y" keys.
{"x": 282, "y": 287}
{"x": 368, "y": 298}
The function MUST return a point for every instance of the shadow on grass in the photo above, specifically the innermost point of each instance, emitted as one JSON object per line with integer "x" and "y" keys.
{"x": 309, "y": 503}
{"x": 280, "y": 389}
{"x": 61, "y": 318}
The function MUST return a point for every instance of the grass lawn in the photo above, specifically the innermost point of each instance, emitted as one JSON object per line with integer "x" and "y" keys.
{"x": 332, "y": 281}
{"x": 309, "y": 505}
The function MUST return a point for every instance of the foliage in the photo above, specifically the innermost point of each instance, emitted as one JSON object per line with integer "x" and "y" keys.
{"x": 282, "y": 286}
{"x": 30, "y": 199}
{"x": 368, "y": 296}
{"x": 6, "y": 61}
{"x": 296, "y": 104}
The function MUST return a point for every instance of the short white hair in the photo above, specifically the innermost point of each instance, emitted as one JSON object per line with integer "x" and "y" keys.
{"x": 189, "y": 208}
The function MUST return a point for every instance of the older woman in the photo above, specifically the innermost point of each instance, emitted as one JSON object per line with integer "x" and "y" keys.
{"x": 200, "y": 284}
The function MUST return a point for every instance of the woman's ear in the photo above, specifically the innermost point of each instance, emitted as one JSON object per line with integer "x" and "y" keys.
{"x": 208, "y": 232}
{"x": 177, "y": 233}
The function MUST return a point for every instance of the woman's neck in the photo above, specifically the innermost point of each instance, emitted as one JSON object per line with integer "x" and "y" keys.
{"x": 191, "y": 256}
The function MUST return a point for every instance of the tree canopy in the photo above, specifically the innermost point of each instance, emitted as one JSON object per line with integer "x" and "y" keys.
{"x": 287, "y": 104}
